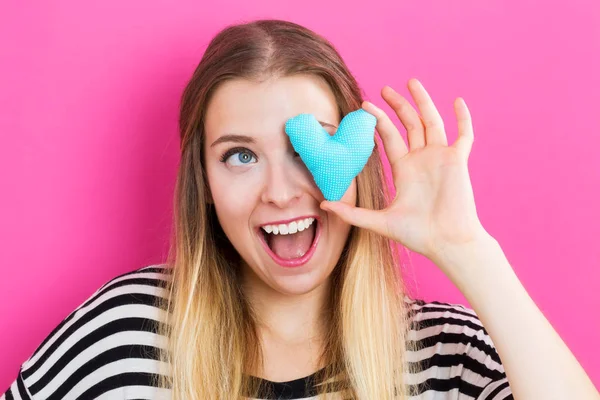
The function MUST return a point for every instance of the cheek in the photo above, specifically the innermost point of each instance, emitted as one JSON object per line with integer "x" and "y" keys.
{"x": 351, "y": 194}
{"x": 349, "y": 197}
{"x": 231, "y": 200}
{"x": 234, "y": 197}
{"x": 233, "y": 215}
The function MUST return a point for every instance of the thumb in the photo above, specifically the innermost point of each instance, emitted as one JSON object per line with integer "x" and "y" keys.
{"x": 373, "y": 220}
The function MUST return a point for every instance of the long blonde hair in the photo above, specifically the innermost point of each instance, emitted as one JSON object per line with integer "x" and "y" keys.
{"x": 212, "y": 339}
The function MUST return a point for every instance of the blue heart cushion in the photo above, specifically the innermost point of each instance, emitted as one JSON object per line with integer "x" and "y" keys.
{"x": 334, "y": 161}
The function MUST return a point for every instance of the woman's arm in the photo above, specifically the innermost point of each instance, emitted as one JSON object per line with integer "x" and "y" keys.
{"x": 537, "y": 362}
{"x": 434, "y": 214}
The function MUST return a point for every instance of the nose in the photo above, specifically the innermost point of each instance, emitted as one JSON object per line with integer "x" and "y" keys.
{"x": 282, "y": 187}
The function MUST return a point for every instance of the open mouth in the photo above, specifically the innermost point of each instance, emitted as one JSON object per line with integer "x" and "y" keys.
{"x": 291, "y": 249}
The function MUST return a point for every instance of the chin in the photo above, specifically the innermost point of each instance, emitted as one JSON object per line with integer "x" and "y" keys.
{"x": 301, "y": 284}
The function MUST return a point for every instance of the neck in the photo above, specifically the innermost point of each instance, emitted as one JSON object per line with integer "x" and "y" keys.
{"x": 288, "y": 318}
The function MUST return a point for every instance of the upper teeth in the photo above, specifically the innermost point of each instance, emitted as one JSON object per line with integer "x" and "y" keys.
{"x": 292, "y": 227}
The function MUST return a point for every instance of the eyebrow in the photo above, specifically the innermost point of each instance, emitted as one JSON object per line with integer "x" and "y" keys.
{"x": 230, "y": 137}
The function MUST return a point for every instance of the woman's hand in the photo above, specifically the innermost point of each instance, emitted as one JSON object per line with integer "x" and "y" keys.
{"x": 434, "y": 205}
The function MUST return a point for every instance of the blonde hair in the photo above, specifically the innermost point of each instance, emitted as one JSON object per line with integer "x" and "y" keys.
{"x": 212, "y": 339}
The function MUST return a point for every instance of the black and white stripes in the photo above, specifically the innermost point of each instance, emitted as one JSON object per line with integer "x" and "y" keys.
{"x": 458, "y": 357}
{"x": 107, "y": 349}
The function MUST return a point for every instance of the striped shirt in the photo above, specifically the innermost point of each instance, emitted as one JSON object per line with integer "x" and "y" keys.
{"x": 107, "y": 349}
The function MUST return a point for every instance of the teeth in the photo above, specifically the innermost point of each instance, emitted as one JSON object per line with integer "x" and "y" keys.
{"x": 288, "y": 229}
{"x": 293, "y": 227}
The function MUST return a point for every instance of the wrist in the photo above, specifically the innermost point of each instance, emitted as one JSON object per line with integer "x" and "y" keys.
{"x": 463, "y": 262}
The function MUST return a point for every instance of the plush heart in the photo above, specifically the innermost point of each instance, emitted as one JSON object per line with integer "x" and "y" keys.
{"x": 333, "y": 160}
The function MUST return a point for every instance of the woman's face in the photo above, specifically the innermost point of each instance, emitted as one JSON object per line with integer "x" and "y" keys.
{"x": 256, "y": 179}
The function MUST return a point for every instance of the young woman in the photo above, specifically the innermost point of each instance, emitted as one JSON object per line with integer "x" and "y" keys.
{"x": 271, "y": 292}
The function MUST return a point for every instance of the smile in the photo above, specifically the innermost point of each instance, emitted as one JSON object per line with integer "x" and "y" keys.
{"x": 289, "y": 249}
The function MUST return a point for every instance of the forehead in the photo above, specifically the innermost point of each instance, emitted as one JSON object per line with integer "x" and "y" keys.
{"x": 253, "y": 108}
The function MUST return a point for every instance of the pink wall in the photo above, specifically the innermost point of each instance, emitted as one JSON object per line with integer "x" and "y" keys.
{"x": 89, "y": 146}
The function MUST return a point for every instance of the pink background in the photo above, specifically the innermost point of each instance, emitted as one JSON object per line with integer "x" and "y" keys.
{"x": 89, "y": 146}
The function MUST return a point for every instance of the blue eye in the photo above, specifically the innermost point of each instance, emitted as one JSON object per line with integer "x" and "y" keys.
{"x": 238, "y": 156}
{"x": 243, "y": 157}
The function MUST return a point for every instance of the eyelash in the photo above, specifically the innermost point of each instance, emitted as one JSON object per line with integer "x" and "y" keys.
{"x": 235, "y": 150}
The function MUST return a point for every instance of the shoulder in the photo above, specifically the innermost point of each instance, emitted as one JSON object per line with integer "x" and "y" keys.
{"x": 453, "y": 351}
{"x": 131, "y": 296}
{"x": 436, "y": 314}
{"x": 107, "y": 343}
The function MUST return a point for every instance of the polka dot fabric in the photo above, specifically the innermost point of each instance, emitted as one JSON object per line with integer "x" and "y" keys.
{"x": 334, "y": 161}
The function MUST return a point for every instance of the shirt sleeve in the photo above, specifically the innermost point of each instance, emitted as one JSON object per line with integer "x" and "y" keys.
{"x": 21, "y": 387}
{"x": 107, "y": 344}
{"x": 17, "y": 390}
{"x": 458, "y": 358}
{"x": 483, "y": 365}
{"x": 497, "y": 390}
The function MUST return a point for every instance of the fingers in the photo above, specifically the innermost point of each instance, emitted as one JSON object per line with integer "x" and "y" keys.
{"x": 464, "y": 142}
{"x": 408, "y": 116}
{"x": 393, "y": 144}
{"x": 434, "y": 125}
{"x": 422, "y": 130}
{"x": 373, "y": 220}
